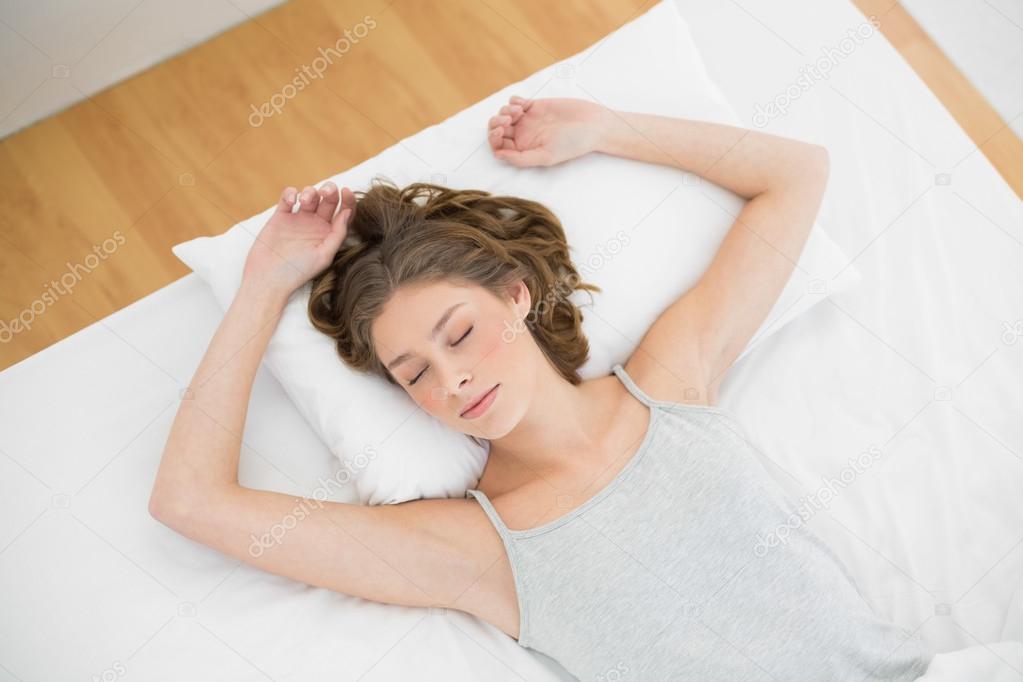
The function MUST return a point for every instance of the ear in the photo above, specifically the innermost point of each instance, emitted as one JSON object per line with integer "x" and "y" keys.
{"x": 520, "y": 297}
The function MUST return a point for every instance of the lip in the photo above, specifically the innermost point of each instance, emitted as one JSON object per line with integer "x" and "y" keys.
{"x": 480, "y": 404}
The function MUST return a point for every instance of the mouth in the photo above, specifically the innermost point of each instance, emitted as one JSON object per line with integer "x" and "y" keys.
{"x": 480, "y": 404}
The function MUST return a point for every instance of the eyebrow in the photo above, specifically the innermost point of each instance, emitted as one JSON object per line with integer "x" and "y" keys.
{"x": 433, "y": 335}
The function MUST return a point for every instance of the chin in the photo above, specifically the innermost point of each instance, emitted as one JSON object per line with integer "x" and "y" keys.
{"x": 499, "y": 427}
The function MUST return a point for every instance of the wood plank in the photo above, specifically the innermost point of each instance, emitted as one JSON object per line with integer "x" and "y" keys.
{"x": 981, "y": 122}
{"x": 171, "y": 153}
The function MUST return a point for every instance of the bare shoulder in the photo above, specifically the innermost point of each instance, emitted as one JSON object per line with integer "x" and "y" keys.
{"x": 668, "y": 363}
{"x": 460, "y": 557}
{"x": 489, "y": 590}
{"x": 452, "y": 545}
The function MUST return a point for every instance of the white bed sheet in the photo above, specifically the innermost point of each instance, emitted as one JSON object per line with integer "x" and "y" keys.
{"x": 110, "y": 589}
{"x": 933, "y": 532}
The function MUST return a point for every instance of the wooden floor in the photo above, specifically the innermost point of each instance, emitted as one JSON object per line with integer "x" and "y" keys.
{"x": 977, "y": 117}
{"x": 95, "y": 196}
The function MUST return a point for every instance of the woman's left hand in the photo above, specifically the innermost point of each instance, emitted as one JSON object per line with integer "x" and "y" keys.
{"x": 292, "y": 248}
{"x": 545, "y": 132}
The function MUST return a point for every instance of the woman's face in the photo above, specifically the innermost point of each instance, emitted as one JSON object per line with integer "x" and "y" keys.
{"x": 448, "y": 343}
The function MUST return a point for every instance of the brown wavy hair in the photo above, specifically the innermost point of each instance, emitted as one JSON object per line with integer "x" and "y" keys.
{"x": 429, "y": 233}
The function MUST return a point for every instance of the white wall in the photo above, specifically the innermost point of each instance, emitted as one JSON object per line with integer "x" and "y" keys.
{"x": 54, "y": 53}
{"x": 984, "y": 39}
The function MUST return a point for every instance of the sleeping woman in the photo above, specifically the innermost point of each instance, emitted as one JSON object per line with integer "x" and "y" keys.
{"x": 617, "y": 526}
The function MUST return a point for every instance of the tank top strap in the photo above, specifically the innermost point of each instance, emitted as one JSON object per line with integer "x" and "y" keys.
{"x": 488, "y": 507}
{"x": 632, "y": 387}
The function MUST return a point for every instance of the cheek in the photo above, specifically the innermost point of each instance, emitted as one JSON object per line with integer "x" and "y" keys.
{"x": 498, "y": 341}
{"x": 431, "y": 398}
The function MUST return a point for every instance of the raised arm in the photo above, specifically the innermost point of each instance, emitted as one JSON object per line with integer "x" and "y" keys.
{"x": 420, "y": 553}
{"x": 200, "y": 459}
{"x": 699, "y": 336}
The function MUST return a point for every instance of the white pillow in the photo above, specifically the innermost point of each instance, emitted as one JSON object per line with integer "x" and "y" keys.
{"x": 644, "y": 233}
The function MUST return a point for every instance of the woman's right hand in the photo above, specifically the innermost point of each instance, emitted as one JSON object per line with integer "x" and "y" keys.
{"x": 545, "y": 132}
{"x": 293, "y": 247}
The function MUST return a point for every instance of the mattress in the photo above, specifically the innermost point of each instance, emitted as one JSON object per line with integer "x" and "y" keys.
{"x": 920, "y": 363}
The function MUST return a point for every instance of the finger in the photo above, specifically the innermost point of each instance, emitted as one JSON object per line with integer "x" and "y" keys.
{"x": 348, "y": 200}
{"x": 508, "y": 143}
{"x": 329, "y": 197}
{"x": 512, "y": 110}
{"x": 495, "y": 137}
{"x": 338, "y": 230}
{"x": 287, "y": 201}
{"x": 521, "y": 101}
{"x": 339, "y": 226}
{"x": 499, "y": 120}
{"x": 308, "y": 199}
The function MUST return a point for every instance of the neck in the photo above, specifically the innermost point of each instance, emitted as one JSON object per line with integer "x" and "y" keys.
{"x": 564, "y": 425}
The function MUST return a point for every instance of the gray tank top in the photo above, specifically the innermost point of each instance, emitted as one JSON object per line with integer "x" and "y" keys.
{"x": 666, "y": 573}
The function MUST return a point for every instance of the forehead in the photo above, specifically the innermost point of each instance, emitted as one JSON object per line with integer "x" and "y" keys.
{"x": 409, "y": 315}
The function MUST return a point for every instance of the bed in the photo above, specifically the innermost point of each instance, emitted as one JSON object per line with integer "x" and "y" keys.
{"x": 919, "y": 365}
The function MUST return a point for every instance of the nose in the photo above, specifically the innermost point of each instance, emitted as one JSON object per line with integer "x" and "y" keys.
{"x": 462, "y": 390}
{"x": 454, "y": 385}
{"x": 461, "y": 379}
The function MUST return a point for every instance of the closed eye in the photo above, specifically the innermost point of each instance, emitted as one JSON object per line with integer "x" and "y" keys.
{"x": 413, "y": 382}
